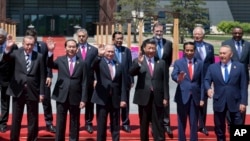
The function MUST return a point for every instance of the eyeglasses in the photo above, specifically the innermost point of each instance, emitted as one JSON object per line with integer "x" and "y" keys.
{"x": 81, "y": 36}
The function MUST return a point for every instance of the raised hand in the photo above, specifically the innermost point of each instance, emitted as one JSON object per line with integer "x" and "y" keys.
{"x": 51, "y": 44}
{"x": 101, "y": 50}
{"x": 9, "y": 42}
{"x": 140, "y": 58}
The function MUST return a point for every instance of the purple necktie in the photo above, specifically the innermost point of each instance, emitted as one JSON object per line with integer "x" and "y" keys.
{"x": 150, "y": 67}
{"x": 71, "y": 67}
{"x": 83, "y": 53}
{"x": 111, "y": 70}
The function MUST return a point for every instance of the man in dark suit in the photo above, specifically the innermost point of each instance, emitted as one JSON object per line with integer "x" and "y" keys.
{"x": 189, "y": 93}
{"x": 42, "y": 48}
{"x": 124, "y": 57}
{"x": 241, "y": 53}
{"x": 87, "y": 53}
{"x": 164, "y": 52}
{"x": 151, "y": 93}
{"x": 204, "y": 52}
{"x": 110, "y": 92}
{"x": 70, "y": 92}
{"x": 26, "y": 86}
{"x": 6, "y": 71}
{"x": 229, "y": 91}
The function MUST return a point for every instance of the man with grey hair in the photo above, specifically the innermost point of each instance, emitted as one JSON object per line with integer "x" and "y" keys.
{"x": 6, "y": 71}
{"x": 87, "y": 53}
{"x": 205, "y": 52}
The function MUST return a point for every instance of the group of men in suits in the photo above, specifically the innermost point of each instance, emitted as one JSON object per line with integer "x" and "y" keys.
{"x": 226, "y": 82}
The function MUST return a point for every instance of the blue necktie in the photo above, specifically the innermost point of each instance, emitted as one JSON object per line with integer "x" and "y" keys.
{"x": 118, "y": 54}
{"x": 238, "y": 48}
{"x": 159, "y": 49}
{"x": 226, "y": 73}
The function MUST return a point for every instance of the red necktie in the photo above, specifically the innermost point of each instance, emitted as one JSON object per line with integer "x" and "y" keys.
{"x": 71, "y": 67}
{"x": 83, "y": 53}
{"x": 150, "y": 67}
{"x": 190, "y": 69}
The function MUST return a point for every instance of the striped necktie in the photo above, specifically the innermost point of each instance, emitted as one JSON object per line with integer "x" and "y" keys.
{"x": 27, "y": 62}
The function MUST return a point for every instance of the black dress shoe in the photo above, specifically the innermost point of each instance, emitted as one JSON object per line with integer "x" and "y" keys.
{"x": 3, "y": 129}
{"x": 89, "y": 128}
{"x": 168, "y": 130}
{"x": 204, "y": 131}
{"x": 50, "y": 128}
{"x": 126, "y": 128}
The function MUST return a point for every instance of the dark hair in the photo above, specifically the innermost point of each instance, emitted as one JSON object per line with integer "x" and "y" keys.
{"x": 31, "y": 32}
{"x": 116, "y": 32}
{"x": 66, "y": 42}
{"x": 157, "y": 24}
{"x": 148, "y": 41}
{"x": 188, "y": 43}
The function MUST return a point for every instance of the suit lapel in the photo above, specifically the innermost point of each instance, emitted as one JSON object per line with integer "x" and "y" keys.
{"x": 146, "y": 64}
{"x": 184, "y": 63}
{"x": 66, "y": 64}
{"x": 219, "y": 69}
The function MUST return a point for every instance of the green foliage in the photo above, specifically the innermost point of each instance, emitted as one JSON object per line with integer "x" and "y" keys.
{"x": 126, "y": 6}
{"x": 227, "y": 26}
{"x": 191, "y": 13}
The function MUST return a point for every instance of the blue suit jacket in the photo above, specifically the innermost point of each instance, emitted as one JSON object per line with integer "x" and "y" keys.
{"x": 229, "y": 94}
{"x": 188, "y": 86}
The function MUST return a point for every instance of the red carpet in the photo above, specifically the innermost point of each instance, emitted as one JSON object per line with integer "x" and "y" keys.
{"x": 60, "y": 49}
{"x": 133, "y": 136}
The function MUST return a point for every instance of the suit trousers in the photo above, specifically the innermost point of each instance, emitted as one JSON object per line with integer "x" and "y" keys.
{"x": 17, "y": 114}
{"x": 203, "y": 114}
{"x": 220, "y": 125}
{"x": 5, "y": 106}
{"x": 154, "y": 114}
{"x": 47, "y": 108}
{"x": 102, "y": 115}
{"x": 61, "y": 118}
{"x": 125, "y": 110}
{"x": 89, "y": 107}
{"x": 183, "y": 111}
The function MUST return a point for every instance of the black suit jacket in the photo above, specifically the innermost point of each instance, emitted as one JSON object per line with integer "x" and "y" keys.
{"x": 145, "y": 81}
{"x": 92, "y": 52}
{"x": 245, "y": 54}
{"x": 126, "y": 64}
{"x": 6, "y": 69}
{"x": 72, "y": 87}
{"x": 43, "y": 49}
{"x": 107, "y": 87}
{"x": 33, "y": 80}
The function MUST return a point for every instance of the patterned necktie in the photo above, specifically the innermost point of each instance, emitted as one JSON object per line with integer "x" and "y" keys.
{"x": 190, "y": 69}
{"x": 226, "y": 74}
{"x": 83, "y": 53}
{"x": 238, "y": 48}
{"x": 159, "y": 49}
{"x": 150, "y": 67}
{"x": 111, "y": 69}
{"x": 71, "y": 67}
{"x": 27, "y": 62}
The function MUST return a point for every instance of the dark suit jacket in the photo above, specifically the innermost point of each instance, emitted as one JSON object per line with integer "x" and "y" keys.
{"x": 72, "y": 87}
{"x": 145, "y": 81}
{"x": 6, "y": 69}
{"x": 245, "y": 54}
{"x": 43, "y": 49}
{"x": 34, "y": 79}
{"x": 188, "y": 86}
{"x": 92, "y": 52}
{"x": 126, "y": 63}
{"x": 107, "y": 87}
{"x": 232, "y": 93}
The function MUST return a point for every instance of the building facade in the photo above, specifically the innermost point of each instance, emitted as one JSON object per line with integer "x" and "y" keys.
{"x": 59, "y": 17}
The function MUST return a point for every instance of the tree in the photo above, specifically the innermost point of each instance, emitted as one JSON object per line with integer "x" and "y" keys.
{"x": 126, "y": 6}
{"x": 191, "y": 14}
